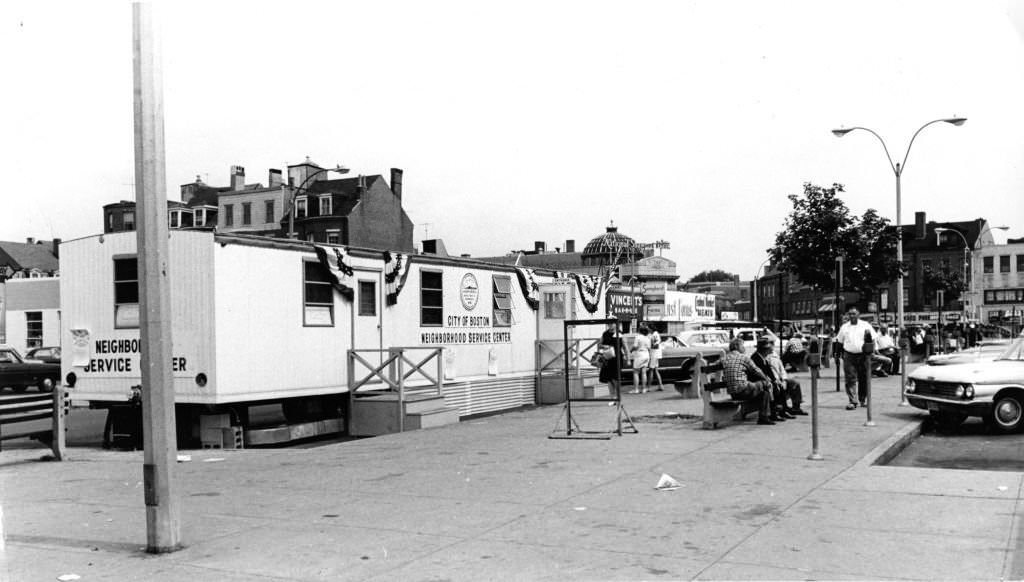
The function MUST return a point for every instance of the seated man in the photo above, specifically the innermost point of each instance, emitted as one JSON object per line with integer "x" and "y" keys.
{"x": 795, "y": 352}
{"x": 788, "y": 388}
{"x": 745, "y": 382}
{"x": 885, "y": 360}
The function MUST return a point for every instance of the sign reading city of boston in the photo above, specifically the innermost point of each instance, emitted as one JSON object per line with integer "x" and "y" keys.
{"x": 464, "y": 327}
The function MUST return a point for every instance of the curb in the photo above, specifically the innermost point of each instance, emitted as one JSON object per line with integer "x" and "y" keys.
{"x": 892, "y": 446}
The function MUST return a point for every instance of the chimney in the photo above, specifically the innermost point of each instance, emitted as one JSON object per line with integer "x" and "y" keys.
{"x": 396, "y": 182}
{"x": 570, "y": 246}
{"x": 539, "y": 246}
{"x": 56, "y": 247}
{"x": 920, "y": 231}
{"x": 30, "y": 241}
{"x": 237, "y": 177}
{"x": 274, "y": 178}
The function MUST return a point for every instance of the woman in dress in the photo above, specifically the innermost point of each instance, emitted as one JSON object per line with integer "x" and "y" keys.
{"x": 610, "y": 368}
{"x": 641, "y": 360}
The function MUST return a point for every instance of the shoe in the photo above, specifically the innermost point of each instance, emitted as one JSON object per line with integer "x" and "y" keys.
{"x": 863, "y": 404}
{"x": 797, "y": 412}
{"x": 633, "y": 392}
{"x": 785, "y": 414}
{"x": 644, "y": 391}
{"x": 766, "y": 421}
{"x": 883, "y": 374}
{"x": 777, "y": 418}
{"x": 851, "y": 406}
{"x": 659, "y": 389}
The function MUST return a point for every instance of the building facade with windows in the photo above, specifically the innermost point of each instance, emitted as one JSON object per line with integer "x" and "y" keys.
{"x": 29, "y": 302}
{"x": 999, "y": 283}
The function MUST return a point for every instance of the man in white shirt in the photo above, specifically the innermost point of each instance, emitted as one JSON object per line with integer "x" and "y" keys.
{"x": 851, "y": 337}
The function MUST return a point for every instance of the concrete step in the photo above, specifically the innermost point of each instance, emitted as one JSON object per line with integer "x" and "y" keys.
{"x": 431, "y": 418}
{"x": 414, "y": 402}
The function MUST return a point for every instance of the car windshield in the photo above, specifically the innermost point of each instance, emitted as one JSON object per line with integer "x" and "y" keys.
{"x": 10, "y": 357}
{"x": 1014, "y": 352}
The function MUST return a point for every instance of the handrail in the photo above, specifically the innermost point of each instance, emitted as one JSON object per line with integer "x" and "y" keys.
{"x": 19, "y": 409}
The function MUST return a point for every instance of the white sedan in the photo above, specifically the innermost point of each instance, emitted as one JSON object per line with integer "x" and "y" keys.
{"x": 990, "y": 388}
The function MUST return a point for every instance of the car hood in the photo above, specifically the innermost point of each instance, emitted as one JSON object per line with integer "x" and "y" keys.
{"x": 980, "y": 372}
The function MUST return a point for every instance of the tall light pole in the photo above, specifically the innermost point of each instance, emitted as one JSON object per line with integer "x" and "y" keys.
{"x": 302, "y": 188}
{"x": 939, "y": 230}
{"x": 898, "y": 170}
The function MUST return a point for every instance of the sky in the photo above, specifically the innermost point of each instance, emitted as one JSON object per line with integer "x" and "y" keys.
{"x": 527, "y": 121}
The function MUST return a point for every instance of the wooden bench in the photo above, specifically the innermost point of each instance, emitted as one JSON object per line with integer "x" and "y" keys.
{"x": 719, "y": 408}
{"x": 30, "y": 411}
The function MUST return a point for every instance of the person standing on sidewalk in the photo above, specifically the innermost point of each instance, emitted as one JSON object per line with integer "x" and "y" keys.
{"x": 610, "y": 373}
{"x": 641, "y": 353}
{"x": 851, "y": 337}
{"x": 655, "y": 357}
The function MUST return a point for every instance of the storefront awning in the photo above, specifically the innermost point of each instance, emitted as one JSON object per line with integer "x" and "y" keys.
{"x": 827, "y": 304}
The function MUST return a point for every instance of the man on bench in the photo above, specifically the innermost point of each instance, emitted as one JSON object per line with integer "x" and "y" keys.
{"x": 745, "y": 382}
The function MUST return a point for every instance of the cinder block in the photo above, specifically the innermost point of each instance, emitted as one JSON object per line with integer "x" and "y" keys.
{"x": 231, "y": 437}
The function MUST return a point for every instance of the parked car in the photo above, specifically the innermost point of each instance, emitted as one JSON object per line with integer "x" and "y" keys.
{"x": 19, "y": 373}
{"x": 677, "y": 358}
{"x": 955, "y": 388}
{"x": 705, "y": 338}
{"x": 50, "y": 354}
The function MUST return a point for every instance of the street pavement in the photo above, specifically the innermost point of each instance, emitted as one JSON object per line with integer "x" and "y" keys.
{"x": 495, "y": 498}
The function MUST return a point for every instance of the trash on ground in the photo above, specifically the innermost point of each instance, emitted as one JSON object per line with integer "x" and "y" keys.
{"x": 1002, "y": 488}
{"x": 667, "y": 483}
{"x": 68, "y": 577}
{"x": 184, "y": 458}
{"x": 213, "y": 459}
{"x": 580, "y": 508}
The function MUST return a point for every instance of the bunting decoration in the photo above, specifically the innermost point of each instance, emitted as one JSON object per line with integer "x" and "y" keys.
{"x": 337, "y": 263}
{"x": 589, "y": 287}
{"x": 396, "y": 269}
{"x": 528, "y": 284}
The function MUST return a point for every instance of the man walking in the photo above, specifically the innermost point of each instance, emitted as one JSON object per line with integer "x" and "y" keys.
{"x": 851, "y": 337}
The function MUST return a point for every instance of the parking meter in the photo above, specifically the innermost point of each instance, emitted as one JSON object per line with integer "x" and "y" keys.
{"x": 814, "y": 354}
{"x": 869, "y": 343}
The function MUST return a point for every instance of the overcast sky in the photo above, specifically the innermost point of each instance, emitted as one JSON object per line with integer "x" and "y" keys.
{"x": 523, "y": 121}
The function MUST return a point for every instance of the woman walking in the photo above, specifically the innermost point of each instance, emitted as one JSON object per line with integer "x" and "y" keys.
{"x": 610, "y": 372}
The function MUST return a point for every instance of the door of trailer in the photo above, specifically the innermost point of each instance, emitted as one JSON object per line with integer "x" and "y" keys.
{"x": 367, "y": 318}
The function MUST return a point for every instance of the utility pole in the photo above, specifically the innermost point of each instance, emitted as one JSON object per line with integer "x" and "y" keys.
{"x": 163, "y": 522}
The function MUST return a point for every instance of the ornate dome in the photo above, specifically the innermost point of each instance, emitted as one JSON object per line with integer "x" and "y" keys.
{"x": 612, "y": 247}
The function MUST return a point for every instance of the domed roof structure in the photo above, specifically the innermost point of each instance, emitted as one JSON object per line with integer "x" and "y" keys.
{"x": 612, "y": 248}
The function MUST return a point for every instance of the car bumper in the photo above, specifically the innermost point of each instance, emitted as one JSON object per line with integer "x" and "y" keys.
{"x": 975, "y": 407}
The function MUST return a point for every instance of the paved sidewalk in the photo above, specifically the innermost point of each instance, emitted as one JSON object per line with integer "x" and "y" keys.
{"x": 494, "y": 498}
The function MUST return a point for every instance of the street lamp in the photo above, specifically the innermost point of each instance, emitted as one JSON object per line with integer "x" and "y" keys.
{"x": 939, "y": 230}
{"x": 898, "y": 170}
{"x": 302, "y": 188}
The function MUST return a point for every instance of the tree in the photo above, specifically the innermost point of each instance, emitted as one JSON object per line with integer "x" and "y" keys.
{"x": 949, "y": 281}
{"x": 820, "y": 228}
{"x": 712, "y": 276}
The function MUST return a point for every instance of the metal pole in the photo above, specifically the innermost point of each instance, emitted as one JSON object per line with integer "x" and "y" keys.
{"x": 867, "y": 386}
{"x": 163, "y": 522}
{"x": 900, "y": 329}
{"x": 755, "y": 295}
{"x": 814, "y": 362}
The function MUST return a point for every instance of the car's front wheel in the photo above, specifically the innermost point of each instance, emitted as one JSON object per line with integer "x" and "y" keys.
{"x": 948, "y": 421}
{"x": 1007, "y": 414}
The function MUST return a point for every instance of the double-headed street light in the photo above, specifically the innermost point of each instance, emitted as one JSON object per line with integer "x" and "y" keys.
{"x": 898, "y": 170}
{"x": 302, "y": 188}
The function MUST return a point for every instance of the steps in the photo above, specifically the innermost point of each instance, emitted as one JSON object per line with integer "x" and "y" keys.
{"x": 378, "y": 414}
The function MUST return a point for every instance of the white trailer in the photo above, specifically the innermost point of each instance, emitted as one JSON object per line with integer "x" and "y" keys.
{"x": 255, "y": 321}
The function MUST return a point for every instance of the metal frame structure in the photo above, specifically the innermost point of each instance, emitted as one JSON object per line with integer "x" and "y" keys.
{"x": 572, "y": 428}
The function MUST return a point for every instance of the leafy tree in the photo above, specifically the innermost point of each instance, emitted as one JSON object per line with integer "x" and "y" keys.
{"x": 712, "y": 276}
{"x": 947, "y": 280}
{"x": 820, "y": 228}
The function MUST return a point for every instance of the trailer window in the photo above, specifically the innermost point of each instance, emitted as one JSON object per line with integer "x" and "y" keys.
{"x": 318, "y": 298}
{"x": 34, "y": 329}
{"x": 126, "y": 293}
{"x": 367, "y": 298}
{"x": 554, "y": 306}
{"x": 502, "y": 301}
{"x": 431, "y": 298}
